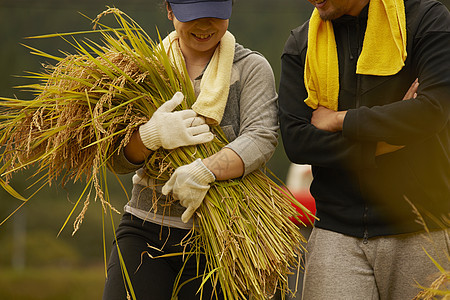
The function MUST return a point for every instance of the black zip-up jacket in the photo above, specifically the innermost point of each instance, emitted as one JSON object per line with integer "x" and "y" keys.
{"x": 356, "y": 192}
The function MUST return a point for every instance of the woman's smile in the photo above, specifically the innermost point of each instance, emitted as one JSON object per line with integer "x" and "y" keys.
{"x": 202, "y": 37}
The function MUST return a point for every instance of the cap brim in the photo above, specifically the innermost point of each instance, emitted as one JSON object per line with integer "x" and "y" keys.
{"x": 191, "y": 11}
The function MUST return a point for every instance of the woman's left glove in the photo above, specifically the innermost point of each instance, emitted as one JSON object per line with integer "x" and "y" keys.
{"x": 172, "y": 129}
{"x": 189, "y": 184}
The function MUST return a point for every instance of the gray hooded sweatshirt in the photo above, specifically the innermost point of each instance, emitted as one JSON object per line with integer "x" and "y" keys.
{"x": 249, "y": 123}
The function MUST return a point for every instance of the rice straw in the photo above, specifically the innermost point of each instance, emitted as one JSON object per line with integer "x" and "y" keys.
{"x": 86, "y": 107}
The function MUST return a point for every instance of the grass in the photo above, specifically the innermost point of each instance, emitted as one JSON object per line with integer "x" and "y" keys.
{"x": 52, "y": 283}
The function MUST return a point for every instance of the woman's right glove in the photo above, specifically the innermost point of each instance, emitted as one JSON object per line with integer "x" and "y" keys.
{"x": 172, "y": 129}
{"x": 189, "y": 184}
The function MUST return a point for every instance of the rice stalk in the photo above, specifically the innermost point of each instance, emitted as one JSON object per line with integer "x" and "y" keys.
{"x": 439, "y": 287}
{"x": 87, "y": 106}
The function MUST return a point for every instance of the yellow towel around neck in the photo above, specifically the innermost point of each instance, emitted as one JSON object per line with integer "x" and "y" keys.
{"x": 215, "y": 83}
{"x": 383, "y": 52}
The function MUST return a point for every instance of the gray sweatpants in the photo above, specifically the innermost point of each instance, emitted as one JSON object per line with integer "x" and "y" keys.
{"x": 388, "y": 267}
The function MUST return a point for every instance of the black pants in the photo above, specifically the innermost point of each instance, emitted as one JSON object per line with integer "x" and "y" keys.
{"x": 153, "y": 278}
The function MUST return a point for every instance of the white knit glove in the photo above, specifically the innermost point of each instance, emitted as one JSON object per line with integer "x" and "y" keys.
{"x": 172, "y": 129}
{"x": 189, "y": 184}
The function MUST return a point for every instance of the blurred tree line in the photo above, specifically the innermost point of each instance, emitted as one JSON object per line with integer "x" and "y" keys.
{"x": 261, "y": 25}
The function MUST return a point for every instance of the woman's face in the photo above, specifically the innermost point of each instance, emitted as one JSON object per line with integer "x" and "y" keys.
{"x": 200, "y": 35}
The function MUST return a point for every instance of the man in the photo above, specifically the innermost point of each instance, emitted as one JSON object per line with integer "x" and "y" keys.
{"x": 381, "y": 165}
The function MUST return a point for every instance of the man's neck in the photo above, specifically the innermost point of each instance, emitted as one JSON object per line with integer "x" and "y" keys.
{"x": 358, "y": 7}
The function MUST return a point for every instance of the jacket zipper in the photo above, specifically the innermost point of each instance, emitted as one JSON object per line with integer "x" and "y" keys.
{"x": 358, "y": 79}
{"x": 366, "y": 232}
{"x": 358, "y": 104}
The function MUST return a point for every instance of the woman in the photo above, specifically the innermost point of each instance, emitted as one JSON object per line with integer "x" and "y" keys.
{"x": 235, "y": 88}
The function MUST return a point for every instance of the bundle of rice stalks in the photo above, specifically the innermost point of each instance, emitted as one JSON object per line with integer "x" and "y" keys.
{"x": 86, "y": 107}
{"x": 439, "y": 287}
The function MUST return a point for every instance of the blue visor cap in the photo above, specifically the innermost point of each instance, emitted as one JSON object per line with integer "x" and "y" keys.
{"x": 188, "y": 10}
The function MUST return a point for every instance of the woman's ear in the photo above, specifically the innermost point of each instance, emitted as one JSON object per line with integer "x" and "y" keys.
{"x": 169, "y": 11}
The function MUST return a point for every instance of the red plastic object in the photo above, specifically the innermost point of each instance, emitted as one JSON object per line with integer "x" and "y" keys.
{"x": 307, "y": 200}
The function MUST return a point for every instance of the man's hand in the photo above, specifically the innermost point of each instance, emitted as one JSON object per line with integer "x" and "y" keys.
{"x": 327, "y": 119}
{"x": 412, "y": 91}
